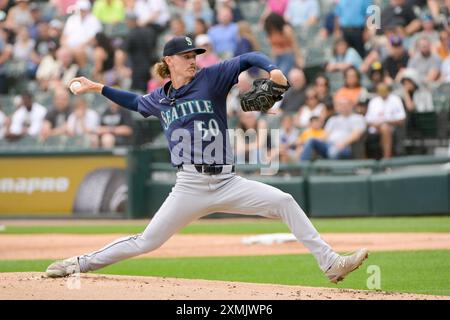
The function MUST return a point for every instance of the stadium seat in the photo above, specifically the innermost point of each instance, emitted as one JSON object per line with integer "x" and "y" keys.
{"x": 7, "y": 104}
{"x": 252, "y": 10}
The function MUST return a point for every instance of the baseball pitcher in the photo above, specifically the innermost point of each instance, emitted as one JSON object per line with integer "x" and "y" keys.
{"x": 192, "y": 110}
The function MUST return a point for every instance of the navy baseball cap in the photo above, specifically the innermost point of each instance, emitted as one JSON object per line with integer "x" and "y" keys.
{"x": 178, "y": 45}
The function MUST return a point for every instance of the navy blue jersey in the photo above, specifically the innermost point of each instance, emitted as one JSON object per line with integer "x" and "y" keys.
{"x": 194, "y": 117}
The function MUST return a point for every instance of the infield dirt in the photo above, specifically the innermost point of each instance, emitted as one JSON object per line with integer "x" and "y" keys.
{"x": 98, "y": 287}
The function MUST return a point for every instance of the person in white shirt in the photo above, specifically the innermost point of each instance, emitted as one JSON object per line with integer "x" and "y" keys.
{"x": 152, "y": 12}
{"x": 312, "y": 108}
{"x": 341, "y": 131}
{"x": 80, "y": 30}
{"x": 384, "y": 114}
{"x": 445, "y": 70}
{"x": 28, "y": 119}
{"x": 83, "y": 121}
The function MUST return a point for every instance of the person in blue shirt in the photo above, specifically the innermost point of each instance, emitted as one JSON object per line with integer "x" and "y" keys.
{"x": 192, "y": 110}
{"x": 224, "y": 35}
{"x": 351, "y": 18}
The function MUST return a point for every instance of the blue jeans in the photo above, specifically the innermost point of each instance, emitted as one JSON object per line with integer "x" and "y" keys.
{"x": 285, "y": 62}
{"x": 324, "y": 149}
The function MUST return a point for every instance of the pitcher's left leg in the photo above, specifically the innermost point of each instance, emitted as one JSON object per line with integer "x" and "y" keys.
{"x": 249, "y": 197}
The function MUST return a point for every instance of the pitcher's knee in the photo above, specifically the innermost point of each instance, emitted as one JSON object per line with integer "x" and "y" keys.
{"x": 284, "y": 199}
{"x": 147, "y": 245}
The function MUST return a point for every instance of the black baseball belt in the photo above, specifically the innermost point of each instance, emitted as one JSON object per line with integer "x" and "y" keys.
{"x": 209, "y": 169}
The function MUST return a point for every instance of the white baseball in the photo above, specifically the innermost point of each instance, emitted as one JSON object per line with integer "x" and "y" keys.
{"x": 75, "y": 86}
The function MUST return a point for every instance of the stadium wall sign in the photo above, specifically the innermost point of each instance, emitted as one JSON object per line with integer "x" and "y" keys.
{"x": 62, "y": 185}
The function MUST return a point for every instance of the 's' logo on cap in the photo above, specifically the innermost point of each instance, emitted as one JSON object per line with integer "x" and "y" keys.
{"x": 189, "y": 41}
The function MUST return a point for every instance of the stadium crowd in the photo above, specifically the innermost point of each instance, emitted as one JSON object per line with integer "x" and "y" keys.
{"x": 361, "y": 84}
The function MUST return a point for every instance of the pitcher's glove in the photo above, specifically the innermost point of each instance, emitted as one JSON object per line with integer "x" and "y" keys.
{"x": 263, "y": 95}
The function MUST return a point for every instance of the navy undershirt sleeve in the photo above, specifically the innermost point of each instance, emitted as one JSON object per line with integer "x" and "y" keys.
{"x": 123, "y": 98}
{"x": 256, "y": 59}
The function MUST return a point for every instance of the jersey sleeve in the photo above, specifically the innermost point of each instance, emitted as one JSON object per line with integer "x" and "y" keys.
{"x": 146, "y": 105}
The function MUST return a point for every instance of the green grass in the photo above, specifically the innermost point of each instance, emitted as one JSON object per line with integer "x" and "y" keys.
{"x": 382, "y": 224}
{"x": 424, "y": 272}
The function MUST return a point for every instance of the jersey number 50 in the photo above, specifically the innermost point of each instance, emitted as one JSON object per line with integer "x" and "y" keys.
{"x": 208, "y": 130}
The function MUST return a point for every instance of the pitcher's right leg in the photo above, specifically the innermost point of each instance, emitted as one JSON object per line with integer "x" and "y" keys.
{"x": 181, "y": 207}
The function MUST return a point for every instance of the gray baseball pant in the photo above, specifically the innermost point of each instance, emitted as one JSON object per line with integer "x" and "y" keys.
{"x": 196, "y": 195}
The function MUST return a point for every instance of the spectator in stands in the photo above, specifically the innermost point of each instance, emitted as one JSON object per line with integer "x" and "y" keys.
{"x": 425, "y": 62}
{"x": 109, "y": 12}
{"x": 140, "y": 44}
{"x": 55, "y": 31}
{"x": 352, "y": 89}
{"x": 200, "y": 27}
{"x": 23, "y": 50}
{"x": 83, "y": 121}
{"x": 177, "y": 28}
{"x": 288, "y": 139}
{"x": 385, "y": 114}
{"x": 445, "y": 70}
{"x": 224, "y": 35}
{"x": 177, "y": 7}
{"x": 209, "y": 57}
{"x": 152, "y": 13}
{"x": 322, "y": 87}
{"x": 197, "y": 9}
{"x": 121, "y": 72}
{"x": 48, "y": 68}
{"x": 57, "y": 69}
{"x": 312, "y": 107}
{"x": 63, "y": 6}
{"x": 79, "y": 31}
{"x": 44, "y": 40}
{"x": 396, "y": 62}
{"x": 37, "y": 17}
{"x": 247, "y": 42}
{"x": 56, "y": 119}
{"x": 274, "y": 6}
{"x": 19, "y": 16}
{"x": 428, "y": 31}
{"x": 416, "y": 97}
{"x": 314, "y": 131}
{"x": 4, "y": 124}
{"x": 341, "y": 131}
{"x": 6, "y": 50}
{"x": 104, "y": 55}
{"x": 443, "y": 46}
{"x": 294, "y": 98}
{"x": 28, "y": 119}
{"x": 376, "y": 76}
{"x": 116, "y": 127}
{"x": 283, "y": 43}
{"x": 343, "y": 57}
{"x": 235, "y": 9}
{"x": 351, "y": 17}
{"x": 400, "y": 13}
{"x": 302, "y": 13}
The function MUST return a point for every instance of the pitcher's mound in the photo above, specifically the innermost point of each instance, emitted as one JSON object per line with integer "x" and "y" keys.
{"x": 36, "y": 285}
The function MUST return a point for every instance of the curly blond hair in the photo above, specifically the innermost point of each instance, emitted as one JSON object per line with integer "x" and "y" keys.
{"x": 162, "y": 69}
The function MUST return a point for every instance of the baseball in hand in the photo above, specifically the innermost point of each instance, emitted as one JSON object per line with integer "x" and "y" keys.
{"x": 74, "y": 86}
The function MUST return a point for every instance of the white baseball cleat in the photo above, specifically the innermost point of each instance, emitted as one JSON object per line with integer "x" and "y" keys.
{"x": 346, "y": 264}
{"x": 63, "y": 268}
